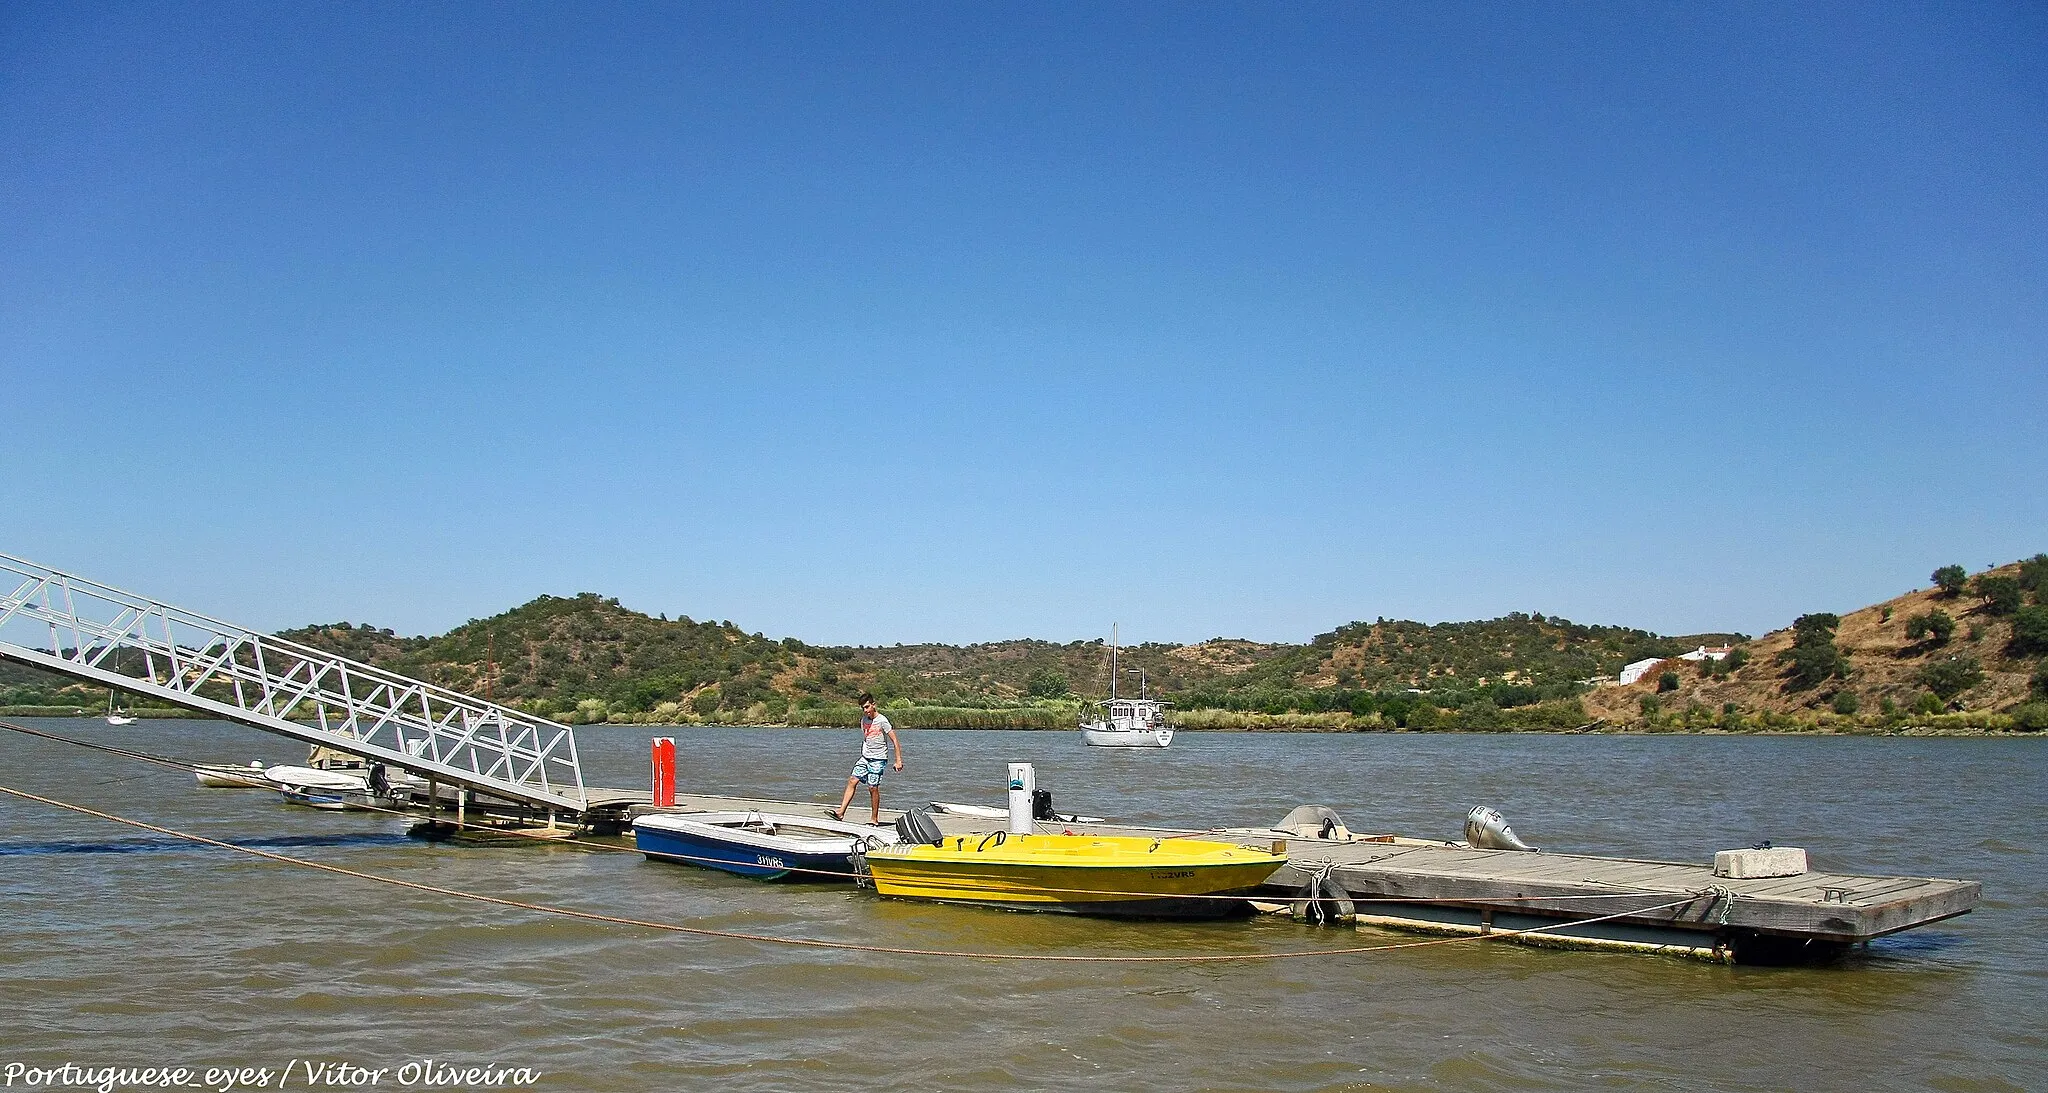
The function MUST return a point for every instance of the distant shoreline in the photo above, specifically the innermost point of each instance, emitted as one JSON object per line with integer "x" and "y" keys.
{"x": 1919, "y": 732}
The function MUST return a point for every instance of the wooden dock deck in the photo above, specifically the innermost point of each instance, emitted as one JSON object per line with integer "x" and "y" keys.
{"x": 1457, "y": 887}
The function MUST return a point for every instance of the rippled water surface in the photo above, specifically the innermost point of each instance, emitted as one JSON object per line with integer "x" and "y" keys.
{"x": 124, "y": 947}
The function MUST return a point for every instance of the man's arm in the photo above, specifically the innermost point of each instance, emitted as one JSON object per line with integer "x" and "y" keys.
{"x": 895, "y": 746}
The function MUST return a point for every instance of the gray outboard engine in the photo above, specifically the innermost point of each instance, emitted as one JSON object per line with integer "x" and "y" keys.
{"x": 1486, "y": 829}
{"x": 917, "y": 826}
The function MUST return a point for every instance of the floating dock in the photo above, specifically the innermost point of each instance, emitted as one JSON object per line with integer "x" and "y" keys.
{"x": 1675, "y": 908}
{"x": 1435, "y": 886}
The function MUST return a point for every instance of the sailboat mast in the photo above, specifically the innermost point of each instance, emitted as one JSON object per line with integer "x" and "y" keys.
{"x": 1112, "y": 662}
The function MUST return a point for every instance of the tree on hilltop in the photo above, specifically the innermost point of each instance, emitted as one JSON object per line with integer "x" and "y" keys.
{"x": 2001, "y": 594}
{"x": 1951, "y": 579}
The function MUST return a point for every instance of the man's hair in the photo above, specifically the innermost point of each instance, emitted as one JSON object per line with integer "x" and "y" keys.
{"x": 866, "y": 698}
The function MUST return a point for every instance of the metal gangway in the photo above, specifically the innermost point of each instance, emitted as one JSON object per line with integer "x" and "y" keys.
{"x": 66, "y": 624}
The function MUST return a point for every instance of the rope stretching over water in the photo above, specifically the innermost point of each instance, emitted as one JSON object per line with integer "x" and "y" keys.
{"x": 737, "y": 935}
{"x": 841, "y": 874}
{"x": 1319, "y": 869}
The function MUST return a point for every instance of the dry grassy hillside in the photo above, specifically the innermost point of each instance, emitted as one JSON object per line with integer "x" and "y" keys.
{"x": 1883, "y": 662}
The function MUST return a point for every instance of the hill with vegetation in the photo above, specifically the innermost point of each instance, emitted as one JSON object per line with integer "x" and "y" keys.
{"x": 1964, "y": 654}
{"x": 1969, "y": 652}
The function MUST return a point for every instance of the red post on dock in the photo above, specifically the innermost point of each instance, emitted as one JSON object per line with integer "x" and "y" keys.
{"x": 665, "y": 771}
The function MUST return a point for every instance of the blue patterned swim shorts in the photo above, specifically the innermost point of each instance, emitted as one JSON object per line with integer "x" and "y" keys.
{"x": 870, "y": 770}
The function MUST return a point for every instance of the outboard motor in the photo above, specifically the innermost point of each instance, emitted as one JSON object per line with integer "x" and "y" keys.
{"x": 917, "y": 826}
{"x": 1041, "y": 805}
{"x": 1486, "y": 829}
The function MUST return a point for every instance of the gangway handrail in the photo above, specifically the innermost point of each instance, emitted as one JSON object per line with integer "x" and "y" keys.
{"x": 262, "y": 680}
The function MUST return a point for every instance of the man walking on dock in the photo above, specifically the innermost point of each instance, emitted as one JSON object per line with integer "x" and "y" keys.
{"x": 877, "y": 743}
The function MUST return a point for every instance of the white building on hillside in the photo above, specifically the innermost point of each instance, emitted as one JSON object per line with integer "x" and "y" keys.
{"x": 1718, "y": 652}
{"x": 1636, "y": 671}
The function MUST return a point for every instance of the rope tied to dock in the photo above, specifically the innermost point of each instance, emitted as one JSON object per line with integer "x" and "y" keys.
{"x": 1726, "y": 896}
{"x": 812, "y": 943}
{"x": 1323, "y": 874}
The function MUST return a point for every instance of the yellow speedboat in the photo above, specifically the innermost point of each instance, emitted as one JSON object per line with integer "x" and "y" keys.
{"x": 1079, "y": 874}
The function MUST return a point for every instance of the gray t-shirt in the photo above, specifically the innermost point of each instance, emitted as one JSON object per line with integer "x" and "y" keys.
{"x": 874, "y": 745}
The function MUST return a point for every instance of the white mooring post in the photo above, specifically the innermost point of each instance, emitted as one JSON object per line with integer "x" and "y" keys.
{"x": 1022, "y": 782}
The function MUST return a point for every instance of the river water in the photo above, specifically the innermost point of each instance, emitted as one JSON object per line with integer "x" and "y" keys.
{"x": 126, "y": 948}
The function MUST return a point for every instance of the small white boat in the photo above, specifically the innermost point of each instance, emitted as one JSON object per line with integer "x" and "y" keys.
{"x": 1126, "y": 722}
{"x": 765, "y": 845}
{"x": 328, "y": 789}
{"x": 228, "y": 776}
{"x": 338, "y": 789}
{"x": 115, "y": 715}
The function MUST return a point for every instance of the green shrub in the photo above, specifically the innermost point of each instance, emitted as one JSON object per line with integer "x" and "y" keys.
{"x": 2031, "y": 717}
{"x": 1813, "y": 658}
{"x": 1927, "y": 703}
{"x": 2030, "y": 630}
{"x": 1667, "y": 682}
{"x": 1936, "y": 624}
{"x": 1951, "y": 677}
{"x": 1845, "y": 703}
{"x": 1047, "y": 683}
{"x": 2034, "y": 575}
{"x": 1651, "y": 704}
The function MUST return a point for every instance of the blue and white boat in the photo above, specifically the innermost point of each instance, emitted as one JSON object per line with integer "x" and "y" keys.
{"x": 767, "y": 845}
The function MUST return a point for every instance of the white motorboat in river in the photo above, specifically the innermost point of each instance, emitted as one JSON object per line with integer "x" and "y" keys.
{"x": 367, "y": 789}
{"x": 229, "y": 776}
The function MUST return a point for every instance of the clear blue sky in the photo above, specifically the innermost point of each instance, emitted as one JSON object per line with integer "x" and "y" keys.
{"x": 876, "y": 323}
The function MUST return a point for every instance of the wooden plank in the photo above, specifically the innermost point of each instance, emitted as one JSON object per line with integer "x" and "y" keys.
{"x": 1647, "y": 876}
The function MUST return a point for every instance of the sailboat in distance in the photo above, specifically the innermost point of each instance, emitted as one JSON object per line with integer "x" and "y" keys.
{"x": 1127, "y": 722}
{"x": 116, "y": 715}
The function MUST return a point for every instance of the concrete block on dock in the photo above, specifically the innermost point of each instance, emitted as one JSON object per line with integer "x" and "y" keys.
{"x": 1770, "y": 861}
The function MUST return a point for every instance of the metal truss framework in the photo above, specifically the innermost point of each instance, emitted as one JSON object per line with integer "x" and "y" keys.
{"x": 79, "y": 628}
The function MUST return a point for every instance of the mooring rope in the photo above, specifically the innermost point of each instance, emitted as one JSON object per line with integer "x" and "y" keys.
{"x": 812, "y": 943}
{"x": 1318, "y": 871}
